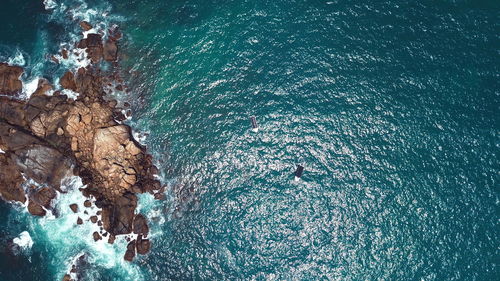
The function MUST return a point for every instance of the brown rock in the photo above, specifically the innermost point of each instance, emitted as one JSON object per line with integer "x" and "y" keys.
{"x": 67, "y": 277}
{"x": 87, "y": 203}
{"x": 79, "y": 221}
{"x": 35, "y": 209}
{"x": 111, "y": 239}
{"x": 97, "y": 236}
{"x": 118, "y": 217}
{"x": 143, "y": 245}
{"x": 93, "y": 44}
{"x": 85, "y": 25}
{"x": 42, "y": 88}
{"x": 10, "y": 181}
{"x": 74, "y": 208}
{"x": 130, "y": 253}
{"x": 140, "y": 225}
{"x": 68, "y": 81}
{"x": 93, "y": 219}
{"x": 44, "y": 196}
{"x": 9, "y": 79}
{"x": 43, "y": 164}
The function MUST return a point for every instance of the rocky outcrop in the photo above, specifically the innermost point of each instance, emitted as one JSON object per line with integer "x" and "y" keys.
{"x": 68, "y": 81}
{"x": 9, "y": 79}
{"x": 10, "y": 180}
{"x": 47, "y": 138}
{"x": 142, "y": 245}
{"x": 86, "y": 26}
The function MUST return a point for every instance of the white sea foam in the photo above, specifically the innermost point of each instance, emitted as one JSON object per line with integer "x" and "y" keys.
{"x": 70, "y": 94}
{"x": 17, "y": 59}
{"x": 69, "y": 238}
{"x": 24, "y": 240}
{"x": 1, "y": 151}
{"x": 49, "y": 4}
{"x": 29, "y": 87}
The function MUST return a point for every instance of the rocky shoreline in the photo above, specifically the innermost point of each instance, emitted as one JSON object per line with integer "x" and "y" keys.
{"x": 47, "y": 138}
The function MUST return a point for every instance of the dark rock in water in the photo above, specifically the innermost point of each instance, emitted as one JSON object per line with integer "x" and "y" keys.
{"x": 140, "y": 225}
{"x": 111, "y": 239}
{"x": 110, "y": 50}
{"x": 44, "y": 196}
{"x": 86, "y": 26}
{"x": 79, "y": 221}
{"x": 74, "y": 208}
{"x": 93, "y": 44}
{"x": 9, "y": 79}
{"x": 160, "y": 196}
{"x": 99, "y": 223}
{"x": 118, "y": 218}
{"x": 96, "y": 236}
{"x": 130, "y": 253}
{"x": 35, "y": 209}
{"x": 68, "y": 81}
{"x": 93, "y": 219}
{"x": 87, "y": 203}
{"x": 67, "y": 278}
{"x": 143, "y": 245}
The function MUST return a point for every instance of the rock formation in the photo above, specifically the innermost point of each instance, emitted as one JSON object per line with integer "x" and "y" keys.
{"x": 9, "y": 79}
{"x": 47, "y": 138}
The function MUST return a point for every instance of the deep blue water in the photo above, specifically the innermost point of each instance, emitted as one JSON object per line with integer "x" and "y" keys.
{"x": 391, "y": 106}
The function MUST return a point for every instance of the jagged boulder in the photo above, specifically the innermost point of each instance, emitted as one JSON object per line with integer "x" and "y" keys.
{"x": 130, "y": 253}
{"x": 118, "y": 217}
{"x": 44, "y": 196}
{"x": 67, "y": 81}
{"x": 140, "y": 225}
{"x": 143, "y": 245}
{"x": 35, "y": 209}
{"x": 9, "y": 79}
{"x": 10, "y": 181}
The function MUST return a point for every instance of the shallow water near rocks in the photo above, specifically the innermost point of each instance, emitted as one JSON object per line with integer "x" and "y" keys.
{"x": 392, "y": 108}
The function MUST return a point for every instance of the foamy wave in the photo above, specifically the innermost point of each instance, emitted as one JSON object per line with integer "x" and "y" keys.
{"x": 68, "y": 238}
{"x": 49, "y": 4}
{"x": 30, "y": 87}
{"x": 24, "y": 240}
{"x": 17, "y": 59}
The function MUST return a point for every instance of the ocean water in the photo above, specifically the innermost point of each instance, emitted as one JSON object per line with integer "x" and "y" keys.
{"x": 391, "y": 106}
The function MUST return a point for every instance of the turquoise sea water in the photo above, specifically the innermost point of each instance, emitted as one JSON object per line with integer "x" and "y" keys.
{"x": 391, "y": 106}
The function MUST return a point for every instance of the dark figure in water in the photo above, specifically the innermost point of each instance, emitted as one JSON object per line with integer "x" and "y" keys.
{"x": 255, "y": 127}
{"x": 299, "y": 172}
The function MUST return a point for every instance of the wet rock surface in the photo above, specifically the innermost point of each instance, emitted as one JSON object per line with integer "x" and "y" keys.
{"x": 9, "y": 79}
{"x": 47, "y": 138}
